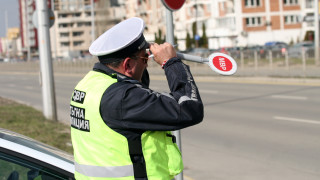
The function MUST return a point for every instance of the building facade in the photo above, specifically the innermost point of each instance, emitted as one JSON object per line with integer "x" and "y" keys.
{"x": 71, "y": 32}
{"x": 274, "y": 20}
{"x": 228, "y": 23}
{"x": 247, "y": 22}
{"x": 10, "y": 46}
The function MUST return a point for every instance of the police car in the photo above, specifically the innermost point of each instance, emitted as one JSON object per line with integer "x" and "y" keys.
{"x": 24, "y": 158}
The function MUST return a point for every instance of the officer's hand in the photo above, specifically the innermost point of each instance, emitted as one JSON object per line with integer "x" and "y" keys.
{"x": 162, "y": 52}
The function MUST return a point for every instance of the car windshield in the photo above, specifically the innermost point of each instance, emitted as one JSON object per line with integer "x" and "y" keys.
{"x": 307, "y": 45}
{"x": 36, "y": 145}
{"x": 303, "y": 45}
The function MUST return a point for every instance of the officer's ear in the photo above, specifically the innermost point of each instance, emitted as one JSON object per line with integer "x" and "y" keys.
{"x": 128, "y": 65}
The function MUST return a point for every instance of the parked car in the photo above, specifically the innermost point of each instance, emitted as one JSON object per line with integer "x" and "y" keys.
{"x": 277, "y": 48}
{"x": 24, "y": 158}
{"x": 297, "y": 49}
{"x": 203, "y": 52}
{"x": 233, "y": 52}
{"x": 249, "y": 51}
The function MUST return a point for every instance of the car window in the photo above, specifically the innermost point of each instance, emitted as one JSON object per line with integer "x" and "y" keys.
{"x": 308, "y": 45}
{"x": 14, "y": 168}
{"x": 28, "y": 142}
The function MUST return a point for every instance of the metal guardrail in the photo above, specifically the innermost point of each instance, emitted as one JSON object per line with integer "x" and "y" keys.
{"x": 250, "y": 63}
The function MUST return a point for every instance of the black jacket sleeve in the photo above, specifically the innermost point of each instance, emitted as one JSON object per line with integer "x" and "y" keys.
{"x": 127, "y": 105}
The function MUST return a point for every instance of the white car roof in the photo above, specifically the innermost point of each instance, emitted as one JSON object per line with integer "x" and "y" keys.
{"x": 21, "y": 144}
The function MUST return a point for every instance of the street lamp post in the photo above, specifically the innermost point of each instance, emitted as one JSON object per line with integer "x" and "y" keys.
{"x": 316, "y": 31}
{"x": 48, "y": 91}
{"x": 93, "y": 34}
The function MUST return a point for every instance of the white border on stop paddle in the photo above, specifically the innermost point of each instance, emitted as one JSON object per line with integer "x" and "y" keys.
{"x": 227, "y": 73}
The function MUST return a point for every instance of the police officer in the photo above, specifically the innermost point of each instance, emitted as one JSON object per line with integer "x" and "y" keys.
{"x": 120, "y": 128}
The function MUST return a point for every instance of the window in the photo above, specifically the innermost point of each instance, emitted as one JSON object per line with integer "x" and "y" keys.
{"x": 252, "y": 3}
{"x": 62, "y": 15}
{"x": 309, "y": 3}
{"x": 65, "y": 44}
{"x": 77, "y": 43}
{"x": 290, "y": 2}
{"x": 81, "y": 24}
{"x": 291, "y": 19}
{"x": 227, "y": 22}
{"x": 77, "y": 33}
{"x": 17, "y": 168}
{"x": 253, "y": 21}
{"x": 76, "y": 15}
{"x": 64, "y": 34}
{"x": 63, "y": 25}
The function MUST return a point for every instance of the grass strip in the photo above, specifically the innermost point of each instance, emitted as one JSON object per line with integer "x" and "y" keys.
{"x": 31, "y": 122}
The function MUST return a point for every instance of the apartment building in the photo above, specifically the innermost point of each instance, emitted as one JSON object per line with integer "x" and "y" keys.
{"x": 228, "y": 22}
{"x": 71, "y": 33}
{"x": 10, "y": 46}
{"x": 246, "y": 22}
{"x": 28, "y": 32}
{"x": 218, "y": 16}
{"x": 234, "y": 23}
{"x": 273, "y": 20}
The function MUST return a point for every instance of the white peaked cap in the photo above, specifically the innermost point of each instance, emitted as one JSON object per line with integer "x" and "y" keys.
{"x": 122, "y": 40}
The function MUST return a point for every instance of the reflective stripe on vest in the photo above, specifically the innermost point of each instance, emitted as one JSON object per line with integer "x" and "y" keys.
{"x": 104, "y": 171}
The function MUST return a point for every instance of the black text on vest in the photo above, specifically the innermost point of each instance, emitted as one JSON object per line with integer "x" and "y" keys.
{"x": 77, "y": 119}
{"x": 78, "y": 96}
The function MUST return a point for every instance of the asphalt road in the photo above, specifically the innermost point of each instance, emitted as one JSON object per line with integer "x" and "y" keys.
{"x": 250, "y": 131}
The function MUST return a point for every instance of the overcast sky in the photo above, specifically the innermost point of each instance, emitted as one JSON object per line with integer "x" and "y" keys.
{"x": 12, "y": 8}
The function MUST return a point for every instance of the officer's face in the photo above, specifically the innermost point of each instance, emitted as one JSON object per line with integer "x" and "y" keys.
{"x": 141, "y": 64}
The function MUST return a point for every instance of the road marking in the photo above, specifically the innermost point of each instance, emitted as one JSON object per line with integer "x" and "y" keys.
{"x": 296, "y": 120}
{"x": 187, "y": 177}
{"x": 201, "y": 91}
{"x": 290, "y": 97}
{"x": 208, "y": 91}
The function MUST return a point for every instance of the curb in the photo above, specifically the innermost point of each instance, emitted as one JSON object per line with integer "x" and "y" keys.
{"x": 251, "y": 80}
{"x": 222, "y": 79}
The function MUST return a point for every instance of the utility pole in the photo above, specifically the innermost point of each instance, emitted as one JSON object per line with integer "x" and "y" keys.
{"x": 93, "y": 34}
{"x": 170, "y": 39}
{"x": 316, "y": 31}
{"x": 54, "y": 52}
{"x": 29, "y": 18}
{"x": 6, "y": 20}
{"x": 173, "y": 6}
{"x": 7, "y": 38}
{"x": 46, "y": 70}
{"x": 196, "y": 38}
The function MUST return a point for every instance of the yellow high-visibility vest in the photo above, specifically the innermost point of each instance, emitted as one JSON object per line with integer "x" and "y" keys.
{"x": 100, "y": 152}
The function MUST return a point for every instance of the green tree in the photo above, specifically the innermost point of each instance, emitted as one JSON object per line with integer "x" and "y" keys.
{"x": 291, "y": 42}
{"x": 204, "y": 39}
{"x": 188, "y": 41}
{"x": 176, "y": 42}
{"x": 194, "y": 33}
{"x": 158, "y": 37}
